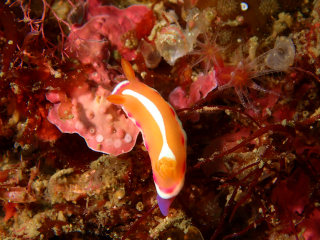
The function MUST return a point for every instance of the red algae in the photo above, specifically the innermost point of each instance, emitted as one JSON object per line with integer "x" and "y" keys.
{"x": 10, "y": 34}
{"x": 251, "y": 118}
{"x": 10, "y": 210}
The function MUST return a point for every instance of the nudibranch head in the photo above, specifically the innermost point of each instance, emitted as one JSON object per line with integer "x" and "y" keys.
{"x": 162, "y": 133}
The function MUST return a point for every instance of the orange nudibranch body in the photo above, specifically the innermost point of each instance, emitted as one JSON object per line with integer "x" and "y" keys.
{"x": 162, "y": 133}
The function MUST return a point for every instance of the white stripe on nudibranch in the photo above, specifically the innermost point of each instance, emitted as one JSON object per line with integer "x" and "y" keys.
{"x": 155, "y": 113}
{"x": 120, "y": 85}
{"x": 174, "y": 193}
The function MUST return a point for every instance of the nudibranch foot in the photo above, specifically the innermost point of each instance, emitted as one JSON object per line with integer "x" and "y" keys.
{"x": 164, "y": 204}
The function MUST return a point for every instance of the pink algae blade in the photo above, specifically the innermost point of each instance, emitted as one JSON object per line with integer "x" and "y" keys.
{"x": 104, "y": 126}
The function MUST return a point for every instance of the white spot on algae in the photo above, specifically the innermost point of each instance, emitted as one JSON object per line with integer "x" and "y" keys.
{"x": 79, "y": 125}
{"x": 128, "y": 138}
{"x": 99, "y": 138}
{"x": 117, "y": 143}
{"x": 108, "y": 142}
{"x": 109, "y": 118}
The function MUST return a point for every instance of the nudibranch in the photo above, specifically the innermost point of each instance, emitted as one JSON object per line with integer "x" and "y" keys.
{"x": 162, "y": 133}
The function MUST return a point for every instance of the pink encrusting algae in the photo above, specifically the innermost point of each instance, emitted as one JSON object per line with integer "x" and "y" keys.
{"x": 104, "y": 127}
{"x": 113, "y": 26}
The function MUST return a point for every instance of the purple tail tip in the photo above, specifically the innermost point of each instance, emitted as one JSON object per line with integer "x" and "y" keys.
{"x": 164, "y": 204}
